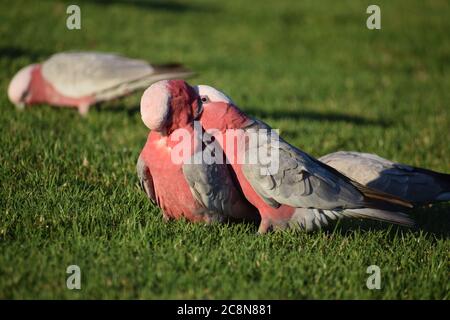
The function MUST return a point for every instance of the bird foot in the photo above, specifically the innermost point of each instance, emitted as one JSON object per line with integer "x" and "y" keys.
{"x": 83, "y": 109}
{"x": 264, "y": 226}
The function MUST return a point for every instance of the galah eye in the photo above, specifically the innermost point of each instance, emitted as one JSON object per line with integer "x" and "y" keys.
{"x": 205, "y": 99}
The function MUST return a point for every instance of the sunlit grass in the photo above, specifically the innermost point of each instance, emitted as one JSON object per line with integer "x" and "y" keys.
{"x": 69, "y": 193}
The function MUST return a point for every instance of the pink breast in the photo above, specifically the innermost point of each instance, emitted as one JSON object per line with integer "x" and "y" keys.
{"x": 171, "y": 188}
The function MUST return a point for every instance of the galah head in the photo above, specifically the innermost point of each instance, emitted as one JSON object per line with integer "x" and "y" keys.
{"x": 169, "y": 104}
{"x": 218, "y": 110}
{"x": 19, "y": 86}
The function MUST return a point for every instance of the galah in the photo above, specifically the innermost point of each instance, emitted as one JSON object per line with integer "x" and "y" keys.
{"x": 301, "y": 182}
{"x": 417, "y": 185}
{"x": 81, "y": 79}
{"x": 183, "y": 187}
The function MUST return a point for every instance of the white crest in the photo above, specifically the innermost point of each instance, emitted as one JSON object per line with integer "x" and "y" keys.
{"x": 213, "y": 94}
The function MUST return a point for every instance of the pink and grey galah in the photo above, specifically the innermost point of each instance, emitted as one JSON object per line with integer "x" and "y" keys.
{"x": 184, "y": 188}
{"x": 282, "y": 197}
{"x": 82, "y": 79}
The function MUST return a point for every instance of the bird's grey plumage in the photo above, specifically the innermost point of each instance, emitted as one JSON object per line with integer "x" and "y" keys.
{"x": 312, "y": 219}
{"x": 410, "y": 183}
{"x": 102, "y": 75}
{"x": 318, "y": 192}
{"x": 213, "y": 186}
{"x": 145, "y": 179}
{"x": 300, "y": 181}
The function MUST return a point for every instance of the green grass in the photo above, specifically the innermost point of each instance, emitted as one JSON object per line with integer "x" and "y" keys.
{"x": 69, "y": 193}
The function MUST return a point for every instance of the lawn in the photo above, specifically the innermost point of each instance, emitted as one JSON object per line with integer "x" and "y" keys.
{"x": 69, "y": 192}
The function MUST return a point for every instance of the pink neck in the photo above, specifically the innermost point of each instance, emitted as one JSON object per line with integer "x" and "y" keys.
{"x": 224, "y": 116}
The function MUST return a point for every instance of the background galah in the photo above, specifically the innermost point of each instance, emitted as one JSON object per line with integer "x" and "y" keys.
{"x": 417, "y": 185}
{"x": 196, "y": 191}
{"x": 81, "y": 79}
{"x": 300, "y": 182}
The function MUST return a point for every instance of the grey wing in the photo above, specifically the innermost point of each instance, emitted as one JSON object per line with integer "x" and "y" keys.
{"x": 78, "y": 74}
{"x": 213, "y": 186}
{"x": 161, "y": 72}
{"x": 145, "y": 179}
{"x": 102, "y": 75}
{"x": 361, "y": 167}
{"x": 312, "y": 219}
{"x": 414, "y": 184}
{"x": 294, "y": 178}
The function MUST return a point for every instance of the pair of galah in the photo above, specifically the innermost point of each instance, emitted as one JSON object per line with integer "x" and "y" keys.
{"x": 303, "y": 192}
{"x": 82, "y": 79}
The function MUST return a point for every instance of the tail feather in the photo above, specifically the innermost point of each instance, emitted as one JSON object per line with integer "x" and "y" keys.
{"x": 444, "y": 196}
{"x": 444, "y": 177}
{"x": 441, "y": 179}
{"x": 382, "y": 200}
{"x": 310, "y": 219}
{"x": 381, "y": 215}
{"x": 373, "y": 198}
{"x": 444, "y": 181}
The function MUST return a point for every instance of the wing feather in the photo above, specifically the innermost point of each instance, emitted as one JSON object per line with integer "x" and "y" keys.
{"x": 302, "y": 181}
{"x": 103, "y": 75}
{"x": 145, "y": 179}
{"x": 213, "y": 186}
{"x": 410, "y": 183}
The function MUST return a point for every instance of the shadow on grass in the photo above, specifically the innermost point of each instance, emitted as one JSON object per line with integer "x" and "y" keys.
{"x": 316, "y": 116}
{"x": 434, "y": 221}
{"x": 162, "y": 5}
{"x": 12, "y": 53}
{"x": 117, "y": 107}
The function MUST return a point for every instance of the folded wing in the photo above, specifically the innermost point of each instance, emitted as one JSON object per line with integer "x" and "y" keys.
{"x": 302, "y": 181}
{"x": 102, "y": 75}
